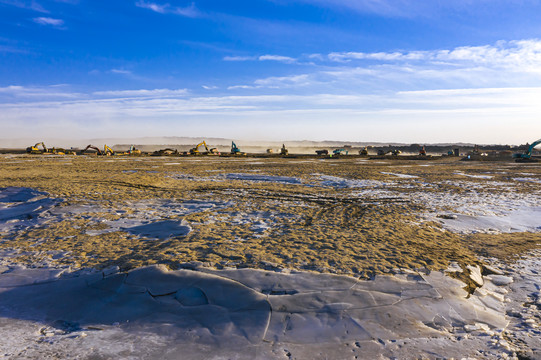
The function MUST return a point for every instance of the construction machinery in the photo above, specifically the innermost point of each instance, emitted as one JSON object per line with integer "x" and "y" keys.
{"x": 134, "y": 151}
{"x": 394, "y": 152}
{"x": 235, "y": 149}
{"x": 165, "y": 152}
{"x": 284, "y": 150}
{"x": 92, "y": 147}
{"x": 270, "y": 151}
{"x": 527, "y": 155}
{"x": 336, "y": 152}
{"x": 195, "y": 150}
{"x": 322, "y": 152}
{"x": 108, "y": 151}
{"x": 422, "y": 151}
{"x": 35, "y": 149}
{"x": 363, "y": 151}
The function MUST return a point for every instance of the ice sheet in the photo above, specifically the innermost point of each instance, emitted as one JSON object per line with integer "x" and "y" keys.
{"x": 236, "y": 310}
{"x": 341, "y": 183}
{"x": 21, "y": 208}
{"x": 526, "y": 219}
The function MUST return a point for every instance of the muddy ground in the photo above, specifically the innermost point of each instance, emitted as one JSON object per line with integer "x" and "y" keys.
{"x": 348, "y": 216}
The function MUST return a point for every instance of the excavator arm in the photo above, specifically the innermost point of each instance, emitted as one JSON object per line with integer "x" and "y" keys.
{"x": 35, "y": 150}
{"x": 528, "y": 154}
{"x": 534, "y": 144}
{"x": 43, "y": 145}
{"x": 107, "y": 150}
{"x": 98, "y": 151}
{"x": 196, "y": 151}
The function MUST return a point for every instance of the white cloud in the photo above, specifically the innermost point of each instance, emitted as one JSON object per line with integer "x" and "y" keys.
{"x": 188, "y": 11}
{"x": 240, "y": 58}
{"x": 49, "y": 21}
{"x": 276, "y": 82}
{"x": 39, "y": 93}
{"x": 523, "y": 54}
{"x": 121, "y": 71}
{"x": 142, "y": 93}
{"x": 209, "y": 87}
{"x": 24, "y": 4}
{"x": 279, "y": 58}
{"x": 397, "y": 116}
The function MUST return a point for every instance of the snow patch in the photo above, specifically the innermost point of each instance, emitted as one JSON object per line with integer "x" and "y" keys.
{"x": 263, "y": 178}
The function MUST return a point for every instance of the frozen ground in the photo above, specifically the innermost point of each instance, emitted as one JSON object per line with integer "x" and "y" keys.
{"x": 201, "y": 313}
{"x": 47, "y": 311}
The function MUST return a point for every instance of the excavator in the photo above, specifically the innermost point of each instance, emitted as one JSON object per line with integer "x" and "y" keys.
{"x": 336, "y": 152}
{"x": 165, "y": 152}
{"x": 134, "y": 151}
{"x": 527, "y": 155}
{"x": 422, "y": 151}
{"x": 322, "y": 152}
{"x": 35, "y": 150}
{"x": 363, "y": 151}
{"x": 106, "y": 150}
{"x": 284, "y": 151}
{"x": 235, "y": 149}
{"x": 394, "y": 152}
{"x": 195, "y": 150}
{"x": 92, "y": 147}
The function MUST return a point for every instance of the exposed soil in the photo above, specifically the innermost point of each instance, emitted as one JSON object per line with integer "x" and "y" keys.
{"x": 314, "y": 227}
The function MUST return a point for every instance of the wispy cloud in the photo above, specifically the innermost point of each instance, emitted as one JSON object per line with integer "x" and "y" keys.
{"x": 121, "y": 71}
{"x": 277, "y": 82}
{"x": 523, "y": 54}
{"x": 11, "y": 49}
{"x": 504, "y": 64}
{"x": 240, "y": 58}
{"x": 162, "y": 93}
{"x": 29, "y": 5}
{"x": 278, "y": 58}
{"x": 442, "y": 114}
{"x": 57, "y": 23}
{"x": 38, "y": 92}
{"x": 188, "y": 11}
{"x": 395, "y": 8}
{"x": 285, "y": 59}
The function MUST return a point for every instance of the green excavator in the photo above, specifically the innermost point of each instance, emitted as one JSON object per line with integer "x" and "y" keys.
{"x": 235, "y": 149}
{"x": 527, "y": 155}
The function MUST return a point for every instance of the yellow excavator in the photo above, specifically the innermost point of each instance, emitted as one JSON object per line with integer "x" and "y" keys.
{"x": 195, "y": 150}
{"x": 61, "y": 151}
{"x": 284, "y": 150}
{"x": 107, "y": 150}
{"x": 134, "y": 151}
{"x": 35, "y": 149}
{"x": 364, "y": 151}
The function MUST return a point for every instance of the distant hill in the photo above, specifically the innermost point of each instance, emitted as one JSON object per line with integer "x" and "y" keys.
{"x": 184, "y": 141}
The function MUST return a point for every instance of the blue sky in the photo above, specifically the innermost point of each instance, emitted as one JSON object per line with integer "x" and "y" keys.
{"x": 357, "y": 70}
